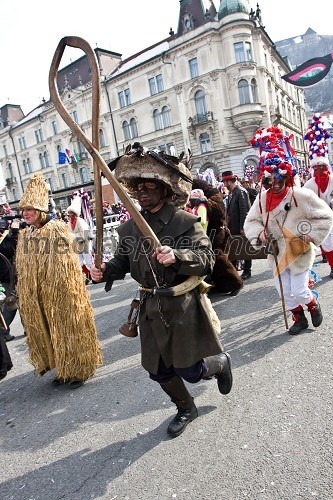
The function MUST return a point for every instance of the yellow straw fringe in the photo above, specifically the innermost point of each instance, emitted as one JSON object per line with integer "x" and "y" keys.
{"x": 54, "y": 304}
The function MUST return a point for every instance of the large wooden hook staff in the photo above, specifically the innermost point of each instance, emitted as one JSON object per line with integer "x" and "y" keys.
{"x": 93, "y": 146}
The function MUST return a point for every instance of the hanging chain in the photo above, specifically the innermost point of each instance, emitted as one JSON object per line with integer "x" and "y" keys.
{"x": 160, "y": 283}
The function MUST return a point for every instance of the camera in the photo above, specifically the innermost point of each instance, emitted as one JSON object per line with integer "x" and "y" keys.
{"x": 6, "y": 220}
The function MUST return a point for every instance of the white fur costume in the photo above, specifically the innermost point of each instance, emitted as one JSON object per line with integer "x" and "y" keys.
{"x": 327, "y": 196}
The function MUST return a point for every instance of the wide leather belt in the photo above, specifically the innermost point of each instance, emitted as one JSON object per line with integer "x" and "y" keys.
{"x": 190, "y": 284}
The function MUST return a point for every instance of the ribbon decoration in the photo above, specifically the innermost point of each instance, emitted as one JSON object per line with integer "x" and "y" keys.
{"x": 310, "y": 72}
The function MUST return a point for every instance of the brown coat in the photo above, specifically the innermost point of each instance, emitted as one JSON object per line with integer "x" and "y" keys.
{"x": 178, "y": 329}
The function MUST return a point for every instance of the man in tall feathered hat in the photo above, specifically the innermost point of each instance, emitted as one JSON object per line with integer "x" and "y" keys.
{"x": 54, "y": 305}
{"x": 294, "y": 218}
{"x": 322, "y": 181}
{"x": 178, "y": 329}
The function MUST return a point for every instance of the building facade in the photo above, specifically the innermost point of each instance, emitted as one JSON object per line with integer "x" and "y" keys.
{"x": 205, "y": 89}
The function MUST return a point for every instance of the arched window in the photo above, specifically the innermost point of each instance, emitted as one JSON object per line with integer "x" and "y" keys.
{"x": 101, "y": 138}
{"x": 200, "y": 105}
{"x": 41, "y": 160}
{"x": 133, "y": 128}
{"x": 46, "y": 159}
{"x": 157, "y": 119}
{"x": 126, "y": 130}
{"x": 166, "y": 117}
{"x": 244, "y": 92}
{"x": 10, "y": 171}
{"x": 254, "y": 90}
{"x": 205, "y": 142}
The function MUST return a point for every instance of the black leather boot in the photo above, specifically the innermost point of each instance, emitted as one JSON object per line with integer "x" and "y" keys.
{"x": 187, "y": 411}
{"x": 315, "y": 311}
{"x": 220, "y": 367}
{"x": 301, "y": 323}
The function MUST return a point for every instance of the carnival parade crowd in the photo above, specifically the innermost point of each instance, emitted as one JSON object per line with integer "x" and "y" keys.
{"x": 47, "y": 260}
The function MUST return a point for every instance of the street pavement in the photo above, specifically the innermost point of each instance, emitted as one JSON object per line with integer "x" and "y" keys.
{"x": 269, "y": 439}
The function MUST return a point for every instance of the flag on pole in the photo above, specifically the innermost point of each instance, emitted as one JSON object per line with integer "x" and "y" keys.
{"x": 76, "y": 156}
{"x": 68, "y": 155}
{"x": 62, "y": 158}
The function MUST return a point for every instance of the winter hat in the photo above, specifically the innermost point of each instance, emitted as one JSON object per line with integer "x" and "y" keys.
{"x": 141, "y": 163}
{"x": 197, "y": 194}
{"x": 75, "y": 206}
{"x": 228, "y": 175}
{"x": 36, "y": 194}
{"x": 316, "y": 137}
{"x": 276, "y": 155}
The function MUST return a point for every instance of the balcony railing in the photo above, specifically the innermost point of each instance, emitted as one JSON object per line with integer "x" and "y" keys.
{"x": 201, "y": 118}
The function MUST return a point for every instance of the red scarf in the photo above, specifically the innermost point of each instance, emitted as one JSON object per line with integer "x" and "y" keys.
{"x": 322, "y": 179}
{"x": 274, "y": 199}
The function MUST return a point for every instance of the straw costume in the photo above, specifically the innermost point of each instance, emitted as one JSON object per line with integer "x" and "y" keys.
{"x": 178, "y": 333}
{"x": 55, "y": 308}
{"x": 294, "y": 219}
{"x": 322, "y": 181}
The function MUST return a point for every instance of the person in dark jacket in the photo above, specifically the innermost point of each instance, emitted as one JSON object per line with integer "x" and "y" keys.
{"x": 8, "y": 242}
{"x": 178, "y": 331}
{"x": 237, "y": 210}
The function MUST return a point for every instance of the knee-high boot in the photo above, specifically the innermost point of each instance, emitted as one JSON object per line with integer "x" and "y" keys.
{"x": 219, "y": 366}
{"x": 187, "y": 411}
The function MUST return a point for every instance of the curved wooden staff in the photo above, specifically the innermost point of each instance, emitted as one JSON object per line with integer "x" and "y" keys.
{"x": 92, "y": 146}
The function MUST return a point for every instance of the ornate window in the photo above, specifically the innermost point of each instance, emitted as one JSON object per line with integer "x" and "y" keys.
{"x": 244, "y": 92}
{"x": 200, "y": 104}
{"x": 194, "y": 68}
{"x": 243, "y": 52}
{"x": 205, "y": 142}
{"x": 156, "y": 84}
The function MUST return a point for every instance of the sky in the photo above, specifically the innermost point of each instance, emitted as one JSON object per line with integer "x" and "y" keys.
{"x": 31, "y": 30}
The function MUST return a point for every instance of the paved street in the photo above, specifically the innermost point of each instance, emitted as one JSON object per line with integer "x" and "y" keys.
{"x": 269, "y": 439}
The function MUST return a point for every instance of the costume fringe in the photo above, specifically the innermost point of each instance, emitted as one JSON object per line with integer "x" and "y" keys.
{"x": 54, "y": 304}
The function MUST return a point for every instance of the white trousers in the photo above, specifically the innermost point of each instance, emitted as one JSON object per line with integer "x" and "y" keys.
{"x": 296, "y": 289}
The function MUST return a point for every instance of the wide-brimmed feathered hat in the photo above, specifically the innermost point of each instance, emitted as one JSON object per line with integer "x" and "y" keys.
{"x": 140, "y": 163}
{"x": 276, "y": 155}
{"x": 36, "y": 194}
{"x": 316, "y": 136}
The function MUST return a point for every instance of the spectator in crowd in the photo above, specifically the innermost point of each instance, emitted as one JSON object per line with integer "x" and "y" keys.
{"x": 8, "y": 241}
{"x": 237, "y": 210}
{"x": 81, "y": 233}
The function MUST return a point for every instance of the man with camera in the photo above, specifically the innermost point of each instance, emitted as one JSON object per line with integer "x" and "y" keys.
{"x": 9, "y": 229}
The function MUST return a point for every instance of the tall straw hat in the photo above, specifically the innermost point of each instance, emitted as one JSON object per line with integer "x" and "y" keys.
{"x": 141, "y": 163}
{"x": 36, "y": 194}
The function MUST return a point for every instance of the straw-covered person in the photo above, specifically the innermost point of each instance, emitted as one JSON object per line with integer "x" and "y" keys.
{"x": 54, "y": 305}
{"x": 178, "y": 333}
